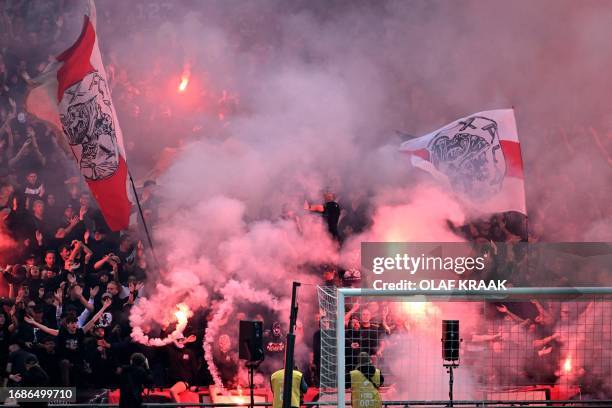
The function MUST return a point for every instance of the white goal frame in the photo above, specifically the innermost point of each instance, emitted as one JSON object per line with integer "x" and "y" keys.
{"x": 440, "y": 295}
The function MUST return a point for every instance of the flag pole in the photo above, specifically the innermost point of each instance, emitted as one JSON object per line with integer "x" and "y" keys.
{"x": 144, "y": 223}
{"x": 524, "y": 180}
{"x": 528, "y": 257}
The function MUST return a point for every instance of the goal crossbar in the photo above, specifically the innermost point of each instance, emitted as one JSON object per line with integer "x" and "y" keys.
{"x": 440, "y": 295}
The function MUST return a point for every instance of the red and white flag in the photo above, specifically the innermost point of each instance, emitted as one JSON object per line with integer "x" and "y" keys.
{"x": 73, "y": 94}
{"x": 478, "y": 157}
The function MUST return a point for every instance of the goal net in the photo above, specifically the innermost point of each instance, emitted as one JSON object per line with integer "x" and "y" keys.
{"x": 519, "y": 344}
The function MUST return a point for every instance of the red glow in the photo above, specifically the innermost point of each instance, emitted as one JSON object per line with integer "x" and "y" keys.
{"x": 567, "y": 365}
{"x": 184, "y": 82}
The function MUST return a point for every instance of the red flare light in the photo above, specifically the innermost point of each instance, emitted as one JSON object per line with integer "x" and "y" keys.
{"x": 184, "y": 82}
{"x": 567, "y": 365}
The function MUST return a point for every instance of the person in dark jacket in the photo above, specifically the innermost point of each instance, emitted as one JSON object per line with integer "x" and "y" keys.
{"x": 134, "y": 377}
{"x": 34, "y": 376}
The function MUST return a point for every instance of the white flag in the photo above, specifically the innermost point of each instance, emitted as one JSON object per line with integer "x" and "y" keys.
{"x": 478, "y": 157}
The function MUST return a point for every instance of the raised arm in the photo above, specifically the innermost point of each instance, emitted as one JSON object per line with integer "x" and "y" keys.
{"x": 350, "y": 313}
{"x": 544, "y": 315}
{"x": 62, "y": 232}
{"x": 85, "y": 313}
{"x": 94, "y": 319}
{"x": 102, "y": 261}
{"x": 48, "y": 330}
{"x": 385, "y": 325}
{"x": 516, "y": 318}
{"x": 314, "y": 207}
{"x": 78, "y": 245}
{"x": 543, "y": 342}
{"x": 78, "y": 291}
{"x": 88, "y": 253}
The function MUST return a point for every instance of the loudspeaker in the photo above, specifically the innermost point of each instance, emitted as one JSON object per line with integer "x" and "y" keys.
{"x": 250, "y": 346}
{"x": 450, "y": 340}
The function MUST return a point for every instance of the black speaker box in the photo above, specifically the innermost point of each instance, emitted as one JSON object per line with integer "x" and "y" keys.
{"x": 450, "y": 340}
{"x": 250, "y": 346}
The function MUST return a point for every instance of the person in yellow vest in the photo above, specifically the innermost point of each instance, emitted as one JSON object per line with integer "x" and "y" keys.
{"x": 298, "y": 388}
{"x": 365, "y": 381}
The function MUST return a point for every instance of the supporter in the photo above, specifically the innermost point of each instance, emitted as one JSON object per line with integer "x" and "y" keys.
{"x": 86, "y": 212}
{"x": 16, "y": 366}
{"x": 371, "y": 335}
{"x": 355, "y": 217}
{"x": 353, "y": 343}
{"x": 6, "y": 199}
{"x": 149, "y": 202}
{"x": 28, "y": 154}
{"x": 34, "y": 189}
{"x": 330, "y": 211}
{"x": 183, "y": 364}
{"x": 50, "y": 217}
{"x": 127, "y": 257}
{"x": 69, "y": 340}
{"x": 100, "y": 355}
{"x": 15, "y": 276}
{"x": 100, "y": 245}
{"x": 33, "y": 277}
{"x": 76, "y": 302}
{"x": 42, "y": 231}
{"x": 50, "y": 262}
{"x": 34, "y": 375}
{"x": 48, "y": 359}
{"x": 330, "y": 275}
{"x": 52, "y": 208}
{"x": 4, "y": 337}
{"x": 133, "y": 379}
{"x": 70, "y": 227}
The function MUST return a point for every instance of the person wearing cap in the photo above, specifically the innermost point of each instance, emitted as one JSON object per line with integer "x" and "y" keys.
{"x": 133, "y": 379}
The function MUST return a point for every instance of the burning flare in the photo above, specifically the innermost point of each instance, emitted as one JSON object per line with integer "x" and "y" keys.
{"x": 418, "y": 311}
{"x": 184, "y": 82}
{"x": 182, "y": 315}
{"x": 185, "y": 78}
{"x": 415, "y": 309}
{"x": 567, "y": 365}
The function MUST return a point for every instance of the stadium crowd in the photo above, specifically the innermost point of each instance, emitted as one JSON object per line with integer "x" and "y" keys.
{"x": 68, "y": 282}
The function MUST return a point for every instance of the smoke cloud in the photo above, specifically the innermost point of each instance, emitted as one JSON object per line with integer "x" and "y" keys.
{"x": 319, "y": 90}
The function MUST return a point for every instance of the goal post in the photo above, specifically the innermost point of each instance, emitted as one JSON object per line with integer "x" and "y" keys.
{"x": 336, "y": 304}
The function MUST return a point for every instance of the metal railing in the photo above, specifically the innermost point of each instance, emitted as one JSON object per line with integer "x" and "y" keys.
{"x": 402, "y": 404}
